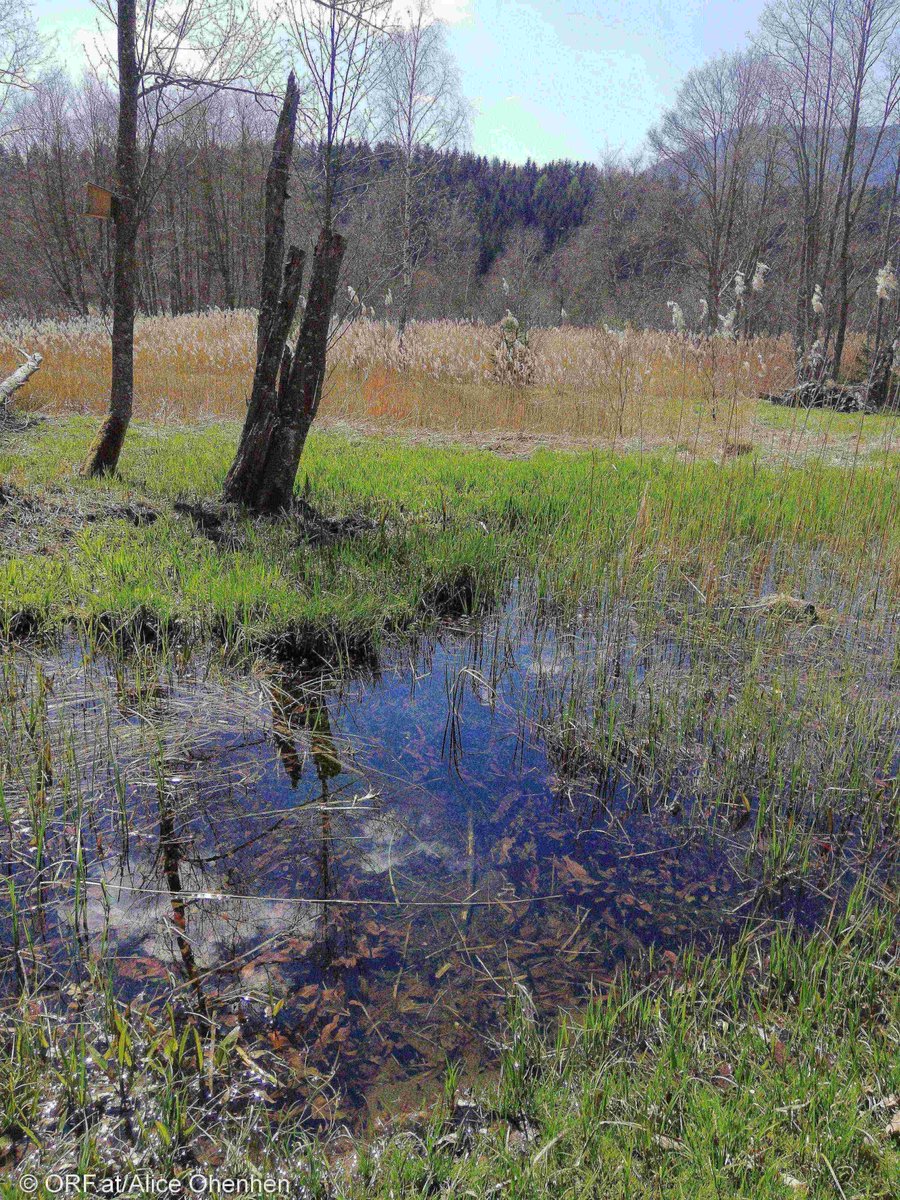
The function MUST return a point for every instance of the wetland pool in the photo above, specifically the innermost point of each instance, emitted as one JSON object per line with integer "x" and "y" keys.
{"x": 359, "y": 870}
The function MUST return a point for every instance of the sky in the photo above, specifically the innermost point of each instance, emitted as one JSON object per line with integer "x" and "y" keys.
{"x": 548, "y": 79}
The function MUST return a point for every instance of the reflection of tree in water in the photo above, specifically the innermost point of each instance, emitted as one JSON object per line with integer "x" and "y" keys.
{"x": 170, "y": 848}
{"x": 200, "y": 926}
{"x": 299, "y": 708}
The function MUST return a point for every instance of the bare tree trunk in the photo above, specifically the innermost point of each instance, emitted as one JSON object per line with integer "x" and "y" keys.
{"x": 175, "y": 289}
{"x": 300, "y": 392}
{"x": 104, "y": 454}
{"x": 244, "y": 481}
{"x": 407, "y": 250}
{"x": 277, "y": 181}
{"x": 843, "y": 305}
{"x": 277, "y": 308}
{"x": 263, "y": 473}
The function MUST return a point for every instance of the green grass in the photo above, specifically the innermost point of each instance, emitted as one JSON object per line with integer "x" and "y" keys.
{"x": 724, "y": 1077}
{"x": 867, "y": 430}
{"x": 771, "y": 1070}
{"x": 577, "y": 523}
{"x": 764, "y": 1070}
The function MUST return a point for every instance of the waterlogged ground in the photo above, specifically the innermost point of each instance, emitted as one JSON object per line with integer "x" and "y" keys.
{"x": 355, "y": 873}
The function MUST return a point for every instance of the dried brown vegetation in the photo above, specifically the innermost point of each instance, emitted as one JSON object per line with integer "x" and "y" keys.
{"x": 632, "y": 386}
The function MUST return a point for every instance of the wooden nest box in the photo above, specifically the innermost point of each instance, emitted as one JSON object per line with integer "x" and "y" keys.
{"x": 101, "y": 202}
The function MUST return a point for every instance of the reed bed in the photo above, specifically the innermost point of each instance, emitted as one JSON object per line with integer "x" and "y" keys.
{"x": 637, "y": 386}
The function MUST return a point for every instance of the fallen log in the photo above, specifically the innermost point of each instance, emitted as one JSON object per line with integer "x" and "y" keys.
{"x": 840, "y": 397}
{"x": 870, "y": 395}
{"x": 21, "y": 375}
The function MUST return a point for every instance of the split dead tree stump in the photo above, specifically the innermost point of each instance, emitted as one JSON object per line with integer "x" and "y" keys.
{"x": 287, "y": 384}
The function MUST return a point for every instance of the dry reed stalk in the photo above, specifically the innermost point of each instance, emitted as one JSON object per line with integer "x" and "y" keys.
{"x": 628, "y": 386}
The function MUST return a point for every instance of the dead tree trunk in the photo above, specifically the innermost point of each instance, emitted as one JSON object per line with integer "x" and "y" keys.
{"x": 873, "y": 394}
{"x": 277, "y": 181}
{"x": 287, "y": 387}
{"x": 277, "y": 308}
{"x": 300, "y": 386}
{"x": 21, "y": 375}
{"x": 104, "y": 453}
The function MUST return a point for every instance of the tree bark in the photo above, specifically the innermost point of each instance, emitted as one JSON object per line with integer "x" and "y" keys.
{"x": 278, "y": 422}
{"x": 244, "y": 479}
{"x": 21, "y": 375}
{"x": 277, "y": 308}
{"x": 406, "y": 266}
{"x": 300, "y": 390}
{"x": 104, "y": 454}
{"x": 287, "y": 387}
{"x": 277, "y": 181}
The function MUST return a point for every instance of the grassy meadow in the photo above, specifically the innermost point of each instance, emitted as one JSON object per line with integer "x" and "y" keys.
{"x": 738, "y": 568}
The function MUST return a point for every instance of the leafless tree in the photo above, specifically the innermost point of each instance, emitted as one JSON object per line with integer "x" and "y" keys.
{"x": 517, "y": 281}
{"x": 836, "y": 71}
{"x": 337, "y": 44}
{"x": 869, "y": 30}
{"x": 170, "y": 55}
{"x": 64, "y": 136}
{"x": 424, "y": 116}
{"x": 614, "y": 266}
{"x": 719, "y": 139}
{"x": 23, "y": 53}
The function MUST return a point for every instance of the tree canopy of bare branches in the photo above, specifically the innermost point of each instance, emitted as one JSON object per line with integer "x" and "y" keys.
{"x": 423, "y": 110}
{"x": 170, "y": 54}
{"x": 23, "y": 52}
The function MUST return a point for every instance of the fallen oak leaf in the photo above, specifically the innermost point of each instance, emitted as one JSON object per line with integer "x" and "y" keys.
{"x": 329, "y": 1033}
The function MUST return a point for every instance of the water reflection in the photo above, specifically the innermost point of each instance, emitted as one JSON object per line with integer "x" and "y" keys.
{"x": 379, "y": 859}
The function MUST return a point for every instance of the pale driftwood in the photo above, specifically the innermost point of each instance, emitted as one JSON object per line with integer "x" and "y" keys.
{"x": 20, "y": 376}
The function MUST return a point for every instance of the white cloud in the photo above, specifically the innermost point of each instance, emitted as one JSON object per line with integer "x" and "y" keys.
{"x": 454, "y": 12}
{"x": 451, "y": 12}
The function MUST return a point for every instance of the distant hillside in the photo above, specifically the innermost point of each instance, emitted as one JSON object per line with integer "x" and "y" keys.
{"x": 554, "y": 198}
